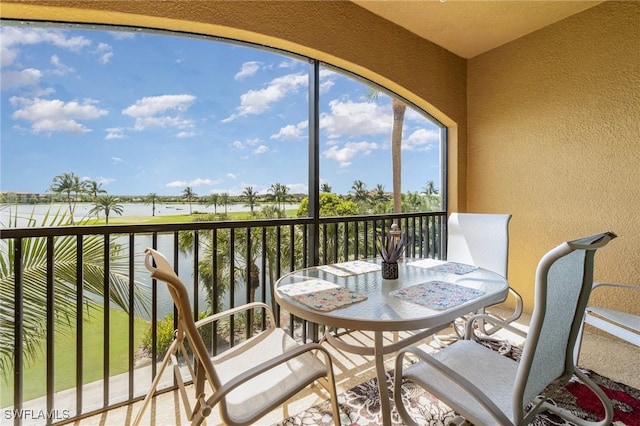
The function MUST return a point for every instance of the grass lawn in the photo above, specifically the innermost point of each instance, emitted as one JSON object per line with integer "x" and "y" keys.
{"x": 35, "y": 376}
{"x": 174, "y": 218}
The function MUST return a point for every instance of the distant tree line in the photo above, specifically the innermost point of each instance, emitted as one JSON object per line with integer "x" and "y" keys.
{"x": 68, "y": 188}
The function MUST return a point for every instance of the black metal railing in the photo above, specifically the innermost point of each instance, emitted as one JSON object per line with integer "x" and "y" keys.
{"x": 224, "y": 264}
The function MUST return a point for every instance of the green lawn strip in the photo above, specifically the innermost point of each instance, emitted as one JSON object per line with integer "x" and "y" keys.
{"x": 34, "y": 382}
{"x": 174, "y": 218}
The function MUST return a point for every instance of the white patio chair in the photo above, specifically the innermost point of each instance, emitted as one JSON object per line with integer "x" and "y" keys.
{"x": 249, "y": 379}
{"x": 623, "y": 325}
{"x": 487, "y": 388}
{"x": 481, "y": 239}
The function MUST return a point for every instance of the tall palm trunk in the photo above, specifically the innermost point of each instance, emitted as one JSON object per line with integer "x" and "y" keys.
{"x": 399, "y": 109}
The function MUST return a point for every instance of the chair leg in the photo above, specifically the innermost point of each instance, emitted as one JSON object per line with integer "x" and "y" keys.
{"x": 332, "y": 389}
{"x": 156, "y": 382}
{"x": 604, "y": 400}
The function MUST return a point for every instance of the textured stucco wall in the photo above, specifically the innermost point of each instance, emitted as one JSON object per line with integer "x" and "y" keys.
{"x": 337, "y": 32}
{"x": 553, "y": 138}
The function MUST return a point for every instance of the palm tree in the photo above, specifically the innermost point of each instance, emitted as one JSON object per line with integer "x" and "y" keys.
{"x": 224, "y": 200}
{"x": 325, "y": 187}
{"x": 430, "y": 189}
{"x": 94, "y": 188}
{"x": 70, "y": 185}
{"x": 399, "y": 108}
{"x": 412, "y": 202}
{"x": 152, "y": 199}
{"x": 379, "y": 196}
{"x": 107, "y": 204}
{"x": 34, "y": 282}
{"x": 224, "y": 255}
{"x": 214, "y": 200}
{"x": 359, "y": 191}
{"x": 284, "y": 195}
{"x": 279, "y": 193}
{"x": 251, "y": 197}
{"x": 189, "y": 196}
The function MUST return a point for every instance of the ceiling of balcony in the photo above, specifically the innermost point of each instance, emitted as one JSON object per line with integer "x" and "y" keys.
{"x": 469, "y": 28}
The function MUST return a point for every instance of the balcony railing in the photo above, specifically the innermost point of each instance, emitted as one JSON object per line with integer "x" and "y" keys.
{"x": 223, "y": 263}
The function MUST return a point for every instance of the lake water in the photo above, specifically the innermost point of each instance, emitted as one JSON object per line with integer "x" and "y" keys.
{"x": 34, "y": 214}
{"x": 30, "y": 215}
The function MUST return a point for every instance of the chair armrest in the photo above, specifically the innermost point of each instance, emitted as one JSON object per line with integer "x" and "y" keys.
{"x": 607, "y": 284}
{"x": 454, "y": 376}
{"x": 237, "y": 309}
{"x": 296, "y": 351}
{"x": 493, "y": 320}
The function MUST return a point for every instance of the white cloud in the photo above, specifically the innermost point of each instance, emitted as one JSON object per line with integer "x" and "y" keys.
{"x": 122, "y": 35}
{"x": 247, "y": 143}
{"x": 192, "y": 183}
{"x": 232, "y": 176}
{"x": 291, "y": 63}
{"x": 247, "y": 70}
{"x": 326, "y": 80}
{"x": 104, "y": 181}
{"x": 345, "y": 155}
{"x": 117, "y": 160}
{"x": 261, "y": 149}
{"x": 59, "y": 67}
{"x": 183, "y": 135}
{"x": 12, "y": 37}
{"x": 258, "y": 101}
{"x": 154, "y": 111}
{"x": 54, "y": 115}
{"x": 298, "y": 188}
{"x": 291, "y": 131}
{"x": 325, "y": 86}
{"x": 26, "y": 77}
{"x": 105, "y": 58}
{"x": 114, "y": 133}
{"x": 177, "y": 184}
{"x": 99, "y": 180}
{"x": 348, "y": 118}
{"x": 421, "y": 140}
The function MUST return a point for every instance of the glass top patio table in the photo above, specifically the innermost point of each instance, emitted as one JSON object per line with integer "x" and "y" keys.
{"x": 427, "y": 296}
{"x": 383, "y": 311}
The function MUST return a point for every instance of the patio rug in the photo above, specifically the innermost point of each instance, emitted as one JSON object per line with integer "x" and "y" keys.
{"x": 360, "y": 404}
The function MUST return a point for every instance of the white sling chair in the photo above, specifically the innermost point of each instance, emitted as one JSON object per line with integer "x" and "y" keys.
{"x": 249, "y": 379}
{"x": 623, "y": 325}
{"x": 487, "y": 388}
{"x": 481, "y": 239}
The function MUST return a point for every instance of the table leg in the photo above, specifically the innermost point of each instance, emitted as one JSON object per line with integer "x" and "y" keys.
{"x": 378, "y": 353}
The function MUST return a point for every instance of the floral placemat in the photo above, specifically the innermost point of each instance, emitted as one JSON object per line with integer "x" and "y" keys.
{"x": 455, "y": 268}
{"x": 353, "y": 267}
{"x": 437, "y": 294}
{"x": 307, "y": 286}
{"x": 426, "y": 263}
{"x": 321, "y": 295}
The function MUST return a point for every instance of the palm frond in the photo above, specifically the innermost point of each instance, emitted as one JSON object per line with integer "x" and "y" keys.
{"x": 65, "y": 288}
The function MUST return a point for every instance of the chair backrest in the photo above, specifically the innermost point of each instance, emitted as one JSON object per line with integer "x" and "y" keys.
{"x": 479, "y": 239}
{"x": 564, "y": 277}
{"x": 163, "y": 271}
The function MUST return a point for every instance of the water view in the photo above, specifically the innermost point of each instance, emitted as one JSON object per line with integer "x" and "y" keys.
{"x": 27, "y": 215}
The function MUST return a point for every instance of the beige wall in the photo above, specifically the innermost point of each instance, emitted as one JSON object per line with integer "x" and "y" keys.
{"x": 553, "y": 117}
{"x": 553, "y": 139}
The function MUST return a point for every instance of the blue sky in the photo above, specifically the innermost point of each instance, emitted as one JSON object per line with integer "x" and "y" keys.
{"x": 142, "y": 112}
